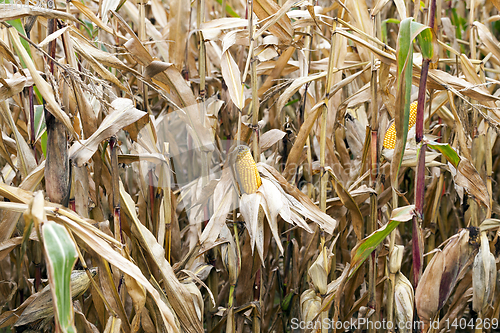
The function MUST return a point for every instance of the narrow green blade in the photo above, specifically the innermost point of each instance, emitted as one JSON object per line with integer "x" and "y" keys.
{"x": 61, "y": 255}
{"x": 364, "y": 248}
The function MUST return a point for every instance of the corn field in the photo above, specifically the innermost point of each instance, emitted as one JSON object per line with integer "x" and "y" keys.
{"x": 249, "y": 166}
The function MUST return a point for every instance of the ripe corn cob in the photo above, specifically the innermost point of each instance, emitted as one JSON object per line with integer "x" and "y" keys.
{"x": 390, "y": 135}
{"x": 246, "y": 171}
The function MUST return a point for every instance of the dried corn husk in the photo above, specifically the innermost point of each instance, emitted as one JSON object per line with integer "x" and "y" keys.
{"x": 395, "y": 258}
{"x": 318, "y": 272}
{"x": 310, "y": 305}
{"x": 484, "y": 274}
{"x": 229, "y": 256}
{"x": 442, "y": 274}
{"x": 403, "y": 300}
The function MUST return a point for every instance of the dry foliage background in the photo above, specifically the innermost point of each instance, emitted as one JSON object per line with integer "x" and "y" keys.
{"x": 125, "y": 176}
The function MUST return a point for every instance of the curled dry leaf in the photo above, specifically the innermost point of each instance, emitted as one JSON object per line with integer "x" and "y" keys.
{"x": 213, "y": 29}
{"x": 269, "y": 138}
{"x": 178, "y": 30}
{"x": 464, "y": 173}
{"x": 232, "y": 76}
{"x": 235, "y": 37}
{"x": 298, "y": 202}
{"x": 223, "y": 199}
{"x": 91, "y": 16}
{"x": 280, "y": 24}
{"x": 13, "y": 86}
{"x": 7, "y": 246}
{"x": 488, "y": 39}
{"x": 16, "y": 12}
{"x": 179, "y": 297}
{"x": 44, "y": 88}
{"x": 468, "y": 177}
{"x": 295, "y": 86}
{"x": 105, "y": 58}
{"x": 97, "y": 64}
{"x": 123, "y": 114}
{"x": 155, "y": 67}
{"x": 41, "y": 305}
{"x": 25, "y": 159}
{"x": 168, "y": 79}
{"x": 445, "y": 80}
{"x": 7, "y": 53}
{"x": 53, "y": 36}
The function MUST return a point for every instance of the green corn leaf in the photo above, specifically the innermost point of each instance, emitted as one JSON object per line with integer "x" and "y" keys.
{"x": 365, "y": 247}
{"x": 40, "y": 125}
{"x": 448, "y": 152}
{"x": 426, "y": 40}
{"x": 61, "y": 255}
{"x": 404, "y": 58}
{"x": 408, "y": 31}
{"x": 466, "y": 174}
{"x": 287, "y": 301}
{"x": 19, "y": 27}
{"x": 229, "y": 9}
{"x": 384, "y": 27}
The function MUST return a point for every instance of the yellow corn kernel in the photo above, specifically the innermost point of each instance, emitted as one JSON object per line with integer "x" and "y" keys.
{"x": 246, "y": 171}
{"x": 390, "y": 135}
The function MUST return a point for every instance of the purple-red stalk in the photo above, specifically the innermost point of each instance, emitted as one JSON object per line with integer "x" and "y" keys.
{"x": 417, "y": 251}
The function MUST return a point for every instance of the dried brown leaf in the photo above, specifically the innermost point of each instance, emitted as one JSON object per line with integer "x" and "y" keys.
{"x": 295, "y": 86}
{"x": 212, "y": 29}
{"x": 468, "y": 177}
{"x": 179, "y": 297}
{"x": 97, "y": 63}
{"x": 348, "y": 201}
{"x": 42, "y": 307}
{"x": 223, "y": 199}
{"x": 445, "y": 79}
{"x": 298, "y": 147}
{"x": 303, "y": 204}
{"x": 17, "y": 12}
{"x": 91, "y": 16}
{"x": 270, "y": 137}
{"x": 124, "y": 113}
{"x": 178, "y": 29}
{"x": 41, "y": 84}
{"x": 12, "y": 86}
{"x": 103, "y": 57}
{"x": 232, "y": 76}
{"x": 279, "y": 24}
{"x": 7, "y": 246}
{"x": 90, "y": 236}
{"x": 7, "y": 53}
{"x": 25, "y": 159}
